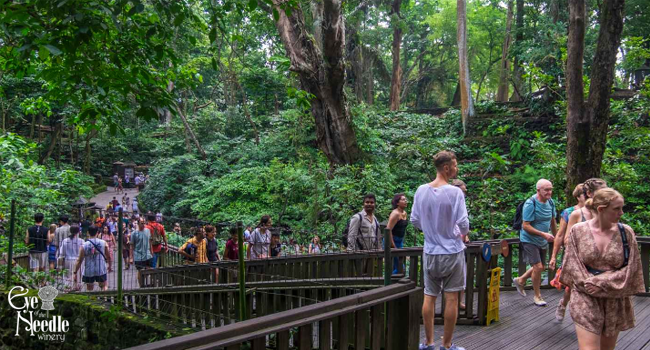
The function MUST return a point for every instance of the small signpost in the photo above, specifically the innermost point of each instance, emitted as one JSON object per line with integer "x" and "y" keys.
{"x": 493, "y": 296}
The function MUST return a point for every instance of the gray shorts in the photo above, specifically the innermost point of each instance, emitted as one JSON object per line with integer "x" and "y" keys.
{"x": 444, "y": 272}
{"x": 533, "y": 254}
{"x": 37, "y": 260}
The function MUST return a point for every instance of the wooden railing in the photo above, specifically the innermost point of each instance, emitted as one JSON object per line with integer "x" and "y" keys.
{"x": 381, "y": 318}
{"x": 217, "y": 305}
{"x": 366, "y": 267}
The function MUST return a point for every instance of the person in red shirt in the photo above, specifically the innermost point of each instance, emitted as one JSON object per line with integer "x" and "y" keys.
{"x": 156, "y": 247}
{"x": 231, "y": 252}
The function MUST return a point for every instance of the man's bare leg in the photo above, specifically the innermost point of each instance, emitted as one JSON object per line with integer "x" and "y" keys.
{"x": 428, "y": 315}
{"x": 451, "y": 315}
{"x": 537, "y": 278}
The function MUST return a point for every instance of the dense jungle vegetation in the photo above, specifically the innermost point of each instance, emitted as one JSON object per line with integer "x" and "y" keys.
{"x": 208, "y": 95}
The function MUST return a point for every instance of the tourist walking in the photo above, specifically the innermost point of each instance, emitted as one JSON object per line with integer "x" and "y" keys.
{"x": 158, "y": 238}
{"x": 437, "y": 209}
{"x": 194, "y": 250}
{"x": 602, "y": 266}
{"x": 397, "y": 223}
{"x": 538, "y": 221}
{"x": 109, "y": 238}
{"x": 68, "y": 255}
{"x": 115, "y": 181}
{"x": 53, "y": 248}
{"x": 260, "y": 239}
{"x": 134, "y": 206}
{"x": 120, "y": 188}
{"x": 231, "y": 252}
{"x": 363, "y": 231}
{"x": 463, "y": 187}
{"x": 212, "y": 247}
{"x": 37, "y": 237}
{"x": 582, "y": 214}
{"x": 315, "y": 246}
{"x": 141, "y": 249}
{"x": 126, "y": 241}
{"x": 579, "y": 195}
{"x": 276, "y": 246}
{"x": 94, "y": 255}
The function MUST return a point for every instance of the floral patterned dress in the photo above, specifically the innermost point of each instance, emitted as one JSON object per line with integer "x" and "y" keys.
{"x": 609, "y": 310}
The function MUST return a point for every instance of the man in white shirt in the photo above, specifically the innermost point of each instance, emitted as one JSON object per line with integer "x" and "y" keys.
{"x": 438, "y": 208}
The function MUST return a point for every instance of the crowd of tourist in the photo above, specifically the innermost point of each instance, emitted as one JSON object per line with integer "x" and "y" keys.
{"x": 601, "y": 265}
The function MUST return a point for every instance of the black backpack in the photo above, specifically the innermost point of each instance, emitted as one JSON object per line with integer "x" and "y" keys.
{"x": 519, "y": 213}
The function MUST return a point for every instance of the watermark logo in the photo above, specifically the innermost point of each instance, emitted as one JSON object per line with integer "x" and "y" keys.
{"x": 34, "y": 320}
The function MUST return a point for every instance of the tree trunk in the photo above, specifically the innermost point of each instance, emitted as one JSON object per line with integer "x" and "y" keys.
{"x": 90, "y": 135}
{"x": 587, "y": 122}
{"x": 192, "y": 135}
{"x": 370, "y": 84}
{"x": 518, "y": 70}
{"x": 466, "y": 104}
{"x": 455, "y": 101}
{"x": 396, "y": 80}
{"x": 247, "y": 113}
{"x": 322, "y": 74}
{"x": 54, "y": 139}
{"x": 502, "y": 92}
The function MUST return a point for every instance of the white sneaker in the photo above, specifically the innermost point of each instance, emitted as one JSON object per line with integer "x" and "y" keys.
{"x": 539, "y": 301}
{"x": 520, "y": 287}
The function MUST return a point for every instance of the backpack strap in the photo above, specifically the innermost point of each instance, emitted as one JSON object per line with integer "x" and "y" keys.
{"x": 626, "y": 245}
{"x": 97, "y": 249}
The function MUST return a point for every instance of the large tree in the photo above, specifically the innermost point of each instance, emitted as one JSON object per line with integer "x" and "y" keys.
{"x": 466, "y": 104}
{"x": 396, "y": 80}
{"x": 587, "y": 120}
{"x": 319, "y": 62}
{"x": 502, "y": 93}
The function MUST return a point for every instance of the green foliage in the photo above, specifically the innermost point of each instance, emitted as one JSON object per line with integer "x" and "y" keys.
{"x": 35, "y": 188}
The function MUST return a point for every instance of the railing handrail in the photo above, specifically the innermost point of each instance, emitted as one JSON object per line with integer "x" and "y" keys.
{"x": 254, "y": 328}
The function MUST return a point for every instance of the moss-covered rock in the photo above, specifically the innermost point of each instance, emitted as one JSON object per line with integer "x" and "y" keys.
{"x": 93, "y": 325}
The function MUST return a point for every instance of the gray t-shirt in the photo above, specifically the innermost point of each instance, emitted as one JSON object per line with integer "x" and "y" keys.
{"x": 260, "y": 244}
{"x": 94, "y": 261}
{"x": 60, "y": 234}
{"x": 141, "y": 245}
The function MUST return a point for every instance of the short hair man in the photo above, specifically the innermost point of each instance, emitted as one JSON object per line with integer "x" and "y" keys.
{"x": 538, "y": 219}
{"x": 154, "y": 228}
{"x": 363, "y": 232}
{"x": 95, "y": 253}
{"x": 61, "y": 233}
{"x": 38, "y": 237}
{"x": 438, "y": 208}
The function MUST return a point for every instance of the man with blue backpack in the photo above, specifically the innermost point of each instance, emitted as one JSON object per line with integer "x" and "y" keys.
{"x": 535, "y": 220}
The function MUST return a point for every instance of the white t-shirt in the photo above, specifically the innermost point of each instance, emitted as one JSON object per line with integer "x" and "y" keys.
{"x": 437, "y": 211}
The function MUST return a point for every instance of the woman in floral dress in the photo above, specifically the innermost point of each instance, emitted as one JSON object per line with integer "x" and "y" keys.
{"x": 595, "y": 269}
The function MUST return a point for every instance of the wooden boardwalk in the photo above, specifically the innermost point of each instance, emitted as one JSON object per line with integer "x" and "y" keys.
{"x": 524, "y": 326}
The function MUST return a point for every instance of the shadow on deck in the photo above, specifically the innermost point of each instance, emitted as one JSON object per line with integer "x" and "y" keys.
{"x": 524, "y": 326}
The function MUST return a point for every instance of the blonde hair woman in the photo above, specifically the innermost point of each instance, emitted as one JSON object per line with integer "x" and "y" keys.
{"x": 602, "y": 266}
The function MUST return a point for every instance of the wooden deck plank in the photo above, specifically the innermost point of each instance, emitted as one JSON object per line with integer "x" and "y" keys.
{"x": 523, "y": 326}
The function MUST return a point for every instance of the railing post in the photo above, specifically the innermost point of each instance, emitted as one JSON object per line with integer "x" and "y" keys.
{"x": 10, "y": 253}
{"x": 242, "y": 272}
{"x": 119, "y": 254}
{"x": 388, "y": 262}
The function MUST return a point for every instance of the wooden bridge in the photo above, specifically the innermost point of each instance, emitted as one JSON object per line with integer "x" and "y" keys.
{"x": 338, "y": 301}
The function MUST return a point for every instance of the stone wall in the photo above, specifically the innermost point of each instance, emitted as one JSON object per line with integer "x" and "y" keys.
{"x": 92, "y": 326}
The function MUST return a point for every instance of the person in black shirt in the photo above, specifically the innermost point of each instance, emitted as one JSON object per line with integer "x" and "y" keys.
{"x": 276, "y": 247}
{"x": 397, "y": 223}
{"x": 37, "y": 238}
